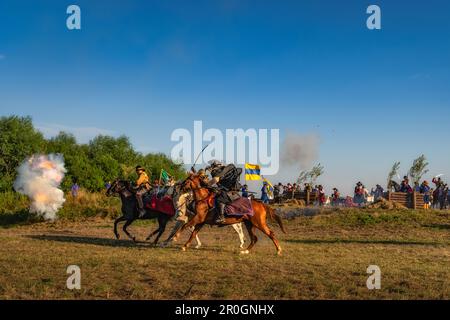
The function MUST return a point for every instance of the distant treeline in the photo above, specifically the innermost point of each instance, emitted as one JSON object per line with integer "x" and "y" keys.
{"x": 91, "y": 165}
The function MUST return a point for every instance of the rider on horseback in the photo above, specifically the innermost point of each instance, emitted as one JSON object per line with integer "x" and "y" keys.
{"x": 141, "y": 188}
{"x": 226, "y": 180}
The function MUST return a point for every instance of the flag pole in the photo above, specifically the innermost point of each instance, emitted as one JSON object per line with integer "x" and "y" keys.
{"x": 159, "y": 181}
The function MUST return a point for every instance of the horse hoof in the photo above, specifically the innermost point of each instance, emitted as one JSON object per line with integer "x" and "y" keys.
{"x": 117, "y": 237}
{"x": 197, "y": 247}
{"x": 245, "y": 252}
{"x": 183, "y": 248}
{"x": 279, "y": 252}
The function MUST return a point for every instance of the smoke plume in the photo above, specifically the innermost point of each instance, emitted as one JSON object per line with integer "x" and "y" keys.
{"x": 39, "y": 178}
{"x": 300, "y": 150}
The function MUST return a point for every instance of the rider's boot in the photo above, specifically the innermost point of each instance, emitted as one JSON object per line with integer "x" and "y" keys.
{"x": 141, "y": 206}
{"x": 221, "y": 215}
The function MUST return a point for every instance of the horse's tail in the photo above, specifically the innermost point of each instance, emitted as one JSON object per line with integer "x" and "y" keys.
{"x": 275, "y": 217}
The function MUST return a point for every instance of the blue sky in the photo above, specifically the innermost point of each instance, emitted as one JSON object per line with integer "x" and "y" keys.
{"x": 145, "y": 68}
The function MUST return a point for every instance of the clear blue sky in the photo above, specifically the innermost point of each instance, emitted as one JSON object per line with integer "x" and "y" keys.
{"x": 145, "y": 68}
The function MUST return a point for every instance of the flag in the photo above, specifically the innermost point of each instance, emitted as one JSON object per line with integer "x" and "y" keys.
{"x": 270, "y": 189}
{"x": 165, "y": 176}
{"x": 252, "y": 172}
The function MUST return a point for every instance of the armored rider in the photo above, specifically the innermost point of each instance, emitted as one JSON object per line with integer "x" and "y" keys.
{"x": 226, "y": 180}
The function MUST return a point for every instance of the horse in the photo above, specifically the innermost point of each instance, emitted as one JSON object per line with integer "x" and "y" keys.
{"x": 174, "y": 191}
{"x": 205, "y": 214}
{"x": 395, "y": 185}
{"x": 130, "y": 212}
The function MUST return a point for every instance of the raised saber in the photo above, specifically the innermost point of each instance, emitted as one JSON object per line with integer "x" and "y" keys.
{"x": 193, "y": 166}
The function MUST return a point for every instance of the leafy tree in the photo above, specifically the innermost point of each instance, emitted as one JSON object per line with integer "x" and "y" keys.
{"x": 315, "y": 173}
{"x": 418, "y": 168}
{"x": 18, "y": 140}
{"x": 393, "y": 172}
{"x": 119, "y": 148}
{"x": 303, "y": 177}
{"x": 310, "y": 176}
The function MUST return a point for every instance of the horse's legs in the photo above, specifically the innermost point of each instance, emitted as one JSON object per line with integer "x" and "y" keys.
{"x": 116, "y": 222}
{"x": 193, "y": 235}
{"x": 175, "y": 229}
{"x": 238, "y": 228}
{"x": 199, "y": 244}
{"x": 192, "y": 223}
{"x": 124, "y": 228}
{"x": 253, "y": 238}
{"x": 266, "y": 230}
{"x": 152, "y": 234}
{"x": 162, "y": 227}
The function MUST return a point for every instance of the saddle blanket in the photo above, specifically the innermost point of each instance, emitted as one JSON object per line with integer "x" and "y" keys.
{"x": 164, "y": 205}
{"x": 240, "y": 207}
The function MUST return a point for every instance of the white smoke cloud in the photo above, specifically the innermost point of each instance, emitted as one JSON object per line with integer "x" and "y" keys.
{"x": 301, "y": 150}
{"x": 39, "y": 178}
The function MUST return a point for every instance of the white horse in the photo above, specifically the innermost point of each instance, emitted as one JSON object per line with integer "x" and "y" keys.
{"x": 186, "y": 199}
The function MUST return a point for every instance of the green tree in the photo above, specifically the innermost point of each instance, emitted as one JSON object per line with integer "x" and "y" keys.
{"x": 393, "y": 173}
{"x": 418, "y": 168}
{"x": 18, "y": 140}
{"x": 310, "y": 176}
{"x": 91, "y": 165}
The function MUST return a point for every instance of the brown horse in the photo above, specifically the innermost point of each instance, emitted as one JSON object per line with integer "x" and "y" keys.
{"x": 205, "y": 214}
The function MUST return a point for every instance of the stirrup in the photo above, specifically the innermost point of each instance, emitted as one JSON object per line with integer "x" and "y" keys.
{"x": 220, "y": 220}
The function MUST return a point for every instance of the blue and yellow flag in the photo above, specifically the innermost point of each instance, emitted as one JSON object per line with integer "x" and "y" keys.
{"x": 270, "y": 187}
{"x": 252, "y": 172}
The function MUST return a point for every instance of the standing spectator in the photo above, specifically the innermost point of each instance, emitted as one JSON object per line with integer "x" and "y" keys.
{"x": 265, "y": 192}
{"x": 335, "y": 197}
{"x": 321, "y": 195}
{"x": 416, "y": 186}
{"x": 378, "y": 192}
{"x": 404, "y": 186}
{"x": 443, "y": 196}
{"x": 425, "y": 190}
{"x": 278, "y": 192}
{"x": 244, "y": 191}
{"x": 74, "y": 190}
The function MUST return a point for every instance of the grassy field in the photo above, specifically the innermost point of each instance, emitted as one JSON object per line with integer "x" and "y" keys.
{"x": 325, "y": 257}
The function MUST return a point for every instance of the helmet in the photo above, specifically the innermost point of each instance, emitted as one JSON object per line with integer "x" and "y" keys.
{"x": 138, "y": 168}
{"x": 214, "y": 163}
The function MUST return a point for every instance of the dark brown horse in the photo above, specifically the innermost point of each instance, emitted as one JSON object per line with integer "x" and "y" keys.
{"x": 205, "y": 214}
{"x": 130, "y": 211}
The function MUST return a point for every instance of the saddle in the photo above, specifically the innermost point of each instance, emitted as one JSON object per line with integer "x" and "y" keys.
{"x": 163, "y": 205}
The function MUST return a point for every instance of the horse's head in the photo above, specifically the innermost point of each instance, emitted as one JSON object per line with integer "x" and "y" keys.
{"x": 194, "y": 182}
{"x": 116, "y": 187}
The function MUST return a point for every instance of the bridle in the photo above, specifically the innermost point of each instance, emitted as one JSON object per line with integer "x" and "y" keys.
{"x": 183, "y": 185}
{"x": 117, "y": 187}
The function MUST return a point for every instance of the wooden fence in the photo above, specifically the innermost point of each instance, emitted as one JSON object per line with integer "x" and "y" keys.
{"x": 410, "y": 200}
{"x": 307, "y": 196}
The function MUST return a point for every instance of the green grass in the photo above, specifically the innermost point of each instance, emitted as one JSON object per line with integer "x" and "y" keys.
{"x": 324, "y": 257}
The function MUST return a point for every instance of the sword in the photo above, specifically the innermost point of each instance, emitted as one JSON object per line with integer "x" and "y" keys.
{"x": 193, "y": 166}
